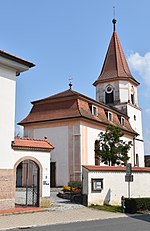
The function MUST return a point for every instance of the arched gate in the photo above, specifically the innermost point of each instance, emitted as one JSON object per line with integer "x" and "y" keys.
{"x": 27, "y": 183}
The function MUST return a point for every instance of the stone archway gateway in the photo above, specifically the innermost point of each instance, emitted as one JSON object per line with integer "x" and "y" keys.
{"x": 27, "y": 183}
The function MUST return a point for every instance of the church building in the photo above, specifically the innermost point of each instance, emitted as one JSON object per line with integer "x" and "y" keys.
{"x": 72, "y": 121}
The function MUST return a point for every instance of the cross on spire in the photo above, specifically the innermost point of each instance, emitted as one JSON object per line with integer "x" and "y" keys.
{"x": 70, "y": 82}
{"x": 114, "y": 19}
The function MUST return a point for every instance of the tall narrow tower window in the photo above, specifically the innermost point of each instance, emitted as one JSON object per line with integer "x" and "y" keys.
{"x": 132, "y": 98}
{"x": 109, "y": 95}
{"x": 132, "y": 95}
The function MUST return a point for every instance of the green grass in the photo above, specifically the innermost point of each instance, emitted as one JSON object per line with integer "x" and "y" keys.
{"x": 109, "y": 208}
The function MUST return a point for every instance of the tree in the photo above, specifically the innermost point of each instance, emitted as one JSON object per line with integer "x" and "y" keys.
{"x": 110, "y": 148}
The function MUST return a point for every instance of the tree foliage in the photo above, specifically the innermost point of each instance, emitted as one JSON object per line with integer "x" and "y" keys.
{"x": 110, "y": 148}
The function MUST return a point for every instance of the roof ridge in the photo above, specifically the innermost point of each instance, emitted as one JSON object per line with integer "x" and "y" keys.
{"x": 57, "y": 95}
{"x": 120, "y": 50}
{"x": 33, "y": 139}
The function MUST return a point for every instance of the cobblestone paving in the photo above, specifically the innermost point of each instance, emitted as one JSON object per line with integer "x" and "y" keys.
{"x": 62, "y": 204}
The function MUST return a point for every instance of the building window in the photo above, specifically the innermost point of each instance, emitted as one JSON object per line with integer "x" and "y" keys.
{"x": 137, "y": 159}
{"x": 132, "y": 95}
{"x": 97, "y": 152}
{"x": 109, "y": 116}
{"x": 132, "y": 98}
{"x": 135, "y": 117}
{"x": 122, "y": 121}
{"x": 94, "y": 110}
{"x": 109, "y": 95}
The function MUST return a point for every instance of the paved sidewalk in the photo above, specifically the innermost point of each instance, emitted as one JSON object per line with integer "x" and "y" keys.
{"x": 62, "y": 211}
{"x": 53, "y": 217}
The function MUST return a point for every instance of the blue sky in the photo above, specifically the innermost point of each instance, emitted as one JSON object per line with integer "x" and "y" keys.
{"x": 70, "y": 38}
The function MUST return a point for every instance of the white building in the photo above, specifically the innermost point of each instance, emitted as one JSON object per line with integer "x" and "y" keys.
{"x": 72, "y": 121}
{"x": 33, "y": 156}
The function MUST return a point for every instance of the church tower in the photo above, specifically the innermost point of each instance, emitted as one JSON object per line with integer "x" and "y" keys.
{"x": 117, "y": 87}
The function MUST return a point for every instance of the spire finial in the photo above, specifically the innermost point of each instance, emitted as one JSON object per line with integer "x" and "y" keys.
{"x": 70, "y": 82}
{"x": 114, "y": 19}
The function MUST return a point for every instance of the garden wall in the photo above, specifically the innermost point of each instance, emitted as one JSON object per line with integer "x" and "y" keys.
{"x": 106, "y": 184}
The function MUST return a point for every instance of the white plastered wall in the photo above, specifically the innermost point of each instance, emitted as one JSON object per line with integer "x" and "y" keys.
{"x": 58, "y": 136}
{"x": 135, "y": 119}
{"x": 7, "y": 118}
{"x": 88, "y": 137}
{"x": 123, "y": 91}
{"x": 114, "y": 186}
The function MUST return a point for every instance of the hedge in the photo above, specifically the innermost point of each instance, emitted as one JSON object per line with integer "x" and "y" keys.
{"x": 133, "y": 205}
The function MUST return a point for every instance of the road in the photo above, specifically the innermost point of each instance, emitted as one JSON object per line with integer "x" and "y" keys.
{"x": 134, "y": 223}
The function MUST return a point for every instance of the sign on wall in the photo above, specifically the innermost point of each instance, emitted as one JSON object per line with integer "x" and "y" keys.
{"x": 97, "y": 185}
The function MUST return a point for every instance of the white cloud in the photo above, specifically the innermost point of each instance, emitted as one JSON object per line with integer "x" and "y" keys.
{"x": 141, "y": 64}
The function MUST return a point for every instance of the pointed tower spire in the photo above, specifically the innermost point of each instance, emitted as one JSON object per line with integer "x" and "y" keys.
{"x": 115, "y": 64}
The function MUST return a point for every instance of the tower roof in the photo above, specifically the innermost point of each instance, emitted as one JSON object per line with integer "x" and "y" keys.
{"x": 115, "y": 65}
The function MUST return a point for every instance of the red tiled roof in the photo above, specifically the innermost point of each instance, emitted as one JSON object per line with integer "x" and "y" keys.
{"x": 115, "y": 64}
{"x": 26, "y": 143}
{"x": 15, "y": 58}
{"x": 114, "y": 168}
{"x": 52, "y": 111}
{"x": 60, "y": 95}
{"x": 70, "y": 104}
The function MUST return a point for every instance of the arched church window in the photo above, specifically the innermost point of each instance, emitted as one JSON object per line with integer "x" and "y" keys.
{"x": 109, "y": 95}
{"x": 132, "y": 95}
{"x": 137, "y": 159}
{"x": 135, "y": 117}
{"x": 97, "y": 152}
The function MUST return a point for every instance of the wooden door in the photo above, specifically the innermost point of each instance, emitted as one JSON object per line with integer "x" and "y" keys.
{"x": 53, "y": 174}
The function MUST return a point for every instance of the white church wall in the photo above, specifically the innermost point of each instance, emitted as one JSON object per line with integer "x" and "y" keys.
{"x": 123, "y": 91}
{"x": 89, "y": 134}
{"x": 135, "y": 119}
{"x": 136, "y": 123}
{"x": 139, "y": 153}
{"x": 58, "y": 136}
{"x": 131, "y": 151}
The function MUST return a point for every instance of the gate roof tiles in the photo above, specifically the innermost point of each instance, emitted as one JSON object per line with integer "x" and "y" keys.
{"x": 34, "y": 144}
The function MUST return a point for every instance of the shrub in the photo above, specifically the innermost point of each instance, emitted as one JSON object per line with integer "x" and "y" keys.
{"x": 133, "y": 205}
{"x": 75, "y": 184}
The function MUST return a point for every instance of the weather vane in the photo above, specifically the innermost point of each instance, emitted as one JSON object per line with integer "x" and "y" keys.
{"x": 114, "y": 19}
{"x": 114, "y": 8}
{"x": 70, "y": 82}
